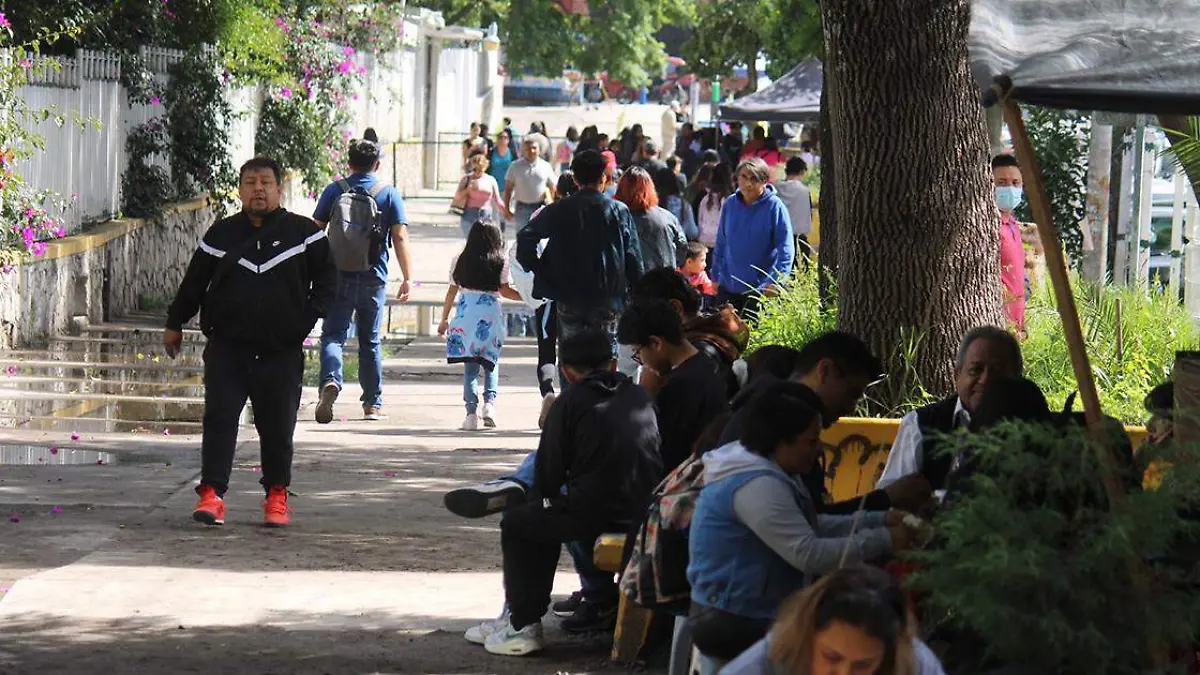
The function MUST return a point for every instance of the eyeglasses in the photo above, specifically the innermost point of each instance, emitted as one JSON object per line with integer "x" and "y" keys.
{"x": 637, "y": 355}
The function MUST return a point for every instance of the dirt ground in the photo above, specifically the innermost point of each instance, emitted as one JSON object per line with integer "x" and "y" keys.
{"x": 105, "y": 573}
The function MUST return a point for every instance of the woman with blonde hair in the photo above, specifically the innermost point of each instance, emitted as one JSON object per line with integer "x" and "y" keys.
{"x": 852, "y": 622}
{"x": 479, "y": 194}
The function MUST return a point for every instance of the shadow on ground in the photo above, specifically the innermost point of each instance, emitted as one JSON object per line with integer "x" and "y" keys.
{"x": 311, "y": 645}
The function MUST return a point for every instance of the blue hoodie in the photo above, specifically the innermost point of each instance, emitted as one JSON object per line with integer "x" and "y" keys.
{"x": 755, "y": 245}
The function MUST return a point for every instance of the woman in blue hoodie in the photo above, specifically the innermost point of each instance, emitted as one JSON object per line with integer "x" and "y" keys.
{"x": 756, "y": 537}
{"x": 755, "y": 249}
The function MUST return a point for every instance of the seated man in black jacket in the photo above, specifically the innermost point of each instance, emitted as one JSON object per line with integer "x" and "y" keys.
{"x": 600, "y": 442}
{"x": 260, "y": 279}
{"x": 837, "y": 367}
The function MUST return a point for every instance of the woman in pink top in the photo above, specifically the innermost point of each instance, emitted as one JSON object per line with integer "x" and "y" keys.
{"x": 482, "y": 194}
{"x": 1006, "y": 176}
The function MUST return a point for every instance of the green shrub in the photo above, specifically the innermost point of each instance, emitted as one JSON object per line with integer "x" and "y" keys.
{"x": 795, "y": 316}
{"x": 1153, "y": 327}
{"x": 1032, "y": 563}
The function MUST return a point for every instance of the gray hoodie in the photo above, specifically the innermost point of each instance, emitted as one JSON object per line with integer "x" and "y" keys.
{"x": 812, "y": 543}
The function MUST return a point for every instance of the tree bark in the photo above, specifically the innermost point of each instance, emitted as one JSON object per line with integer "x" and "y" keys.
{"x": 1100, "y": 155}
{"x": 918, "y": 230}
{"x": 826, "y": 205}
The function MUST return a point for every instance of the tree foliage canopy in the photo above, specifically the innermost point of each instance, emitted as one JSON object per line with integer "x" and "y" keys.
{"x": 728, "y": 34}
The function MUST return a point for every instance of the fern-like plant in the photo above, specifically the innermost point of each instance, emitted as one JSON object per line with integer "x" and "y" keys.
{"x": 1045, "y": 576}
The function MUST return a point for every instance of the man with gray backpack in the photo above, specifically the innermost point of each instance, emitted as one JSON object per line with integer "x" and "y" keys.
{"x": 361, "y": 214}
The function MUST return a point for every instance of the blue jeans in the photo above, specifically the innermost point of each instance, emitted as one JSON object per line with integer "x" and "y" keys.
{"x": 571, "y": 322}
{"x": 597, "y": 585}
{"x": 467, "y": 220}
{"x": 522, "y": 214}
{"x": 361, "y": 296}
{"x": 491, "y": 385}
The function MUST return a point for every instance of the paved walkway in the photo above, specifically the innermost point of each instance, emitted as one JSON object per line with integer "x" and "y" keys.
{"x": 106, "y": 573}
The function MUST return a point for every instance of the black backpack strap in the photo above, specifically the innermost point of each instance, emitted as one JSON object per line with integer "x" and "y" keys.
{"x": 341, "y": 182}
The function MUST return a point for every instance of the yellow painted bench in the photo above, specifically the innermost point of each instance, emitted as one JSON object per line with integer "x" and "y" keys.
{"x": 856, "y": 450}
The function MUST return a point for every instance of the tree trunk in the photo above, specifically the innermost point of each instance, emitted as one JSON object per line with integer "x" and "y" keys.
{"x": 827, "y": 255}
{"x": 1100, "y": 155}
{"x": 918, "y": 231}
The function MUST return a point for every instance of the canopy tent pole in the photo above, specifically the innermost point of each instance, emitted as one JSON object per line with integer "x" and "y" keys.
{"x": 1056, "y": 265}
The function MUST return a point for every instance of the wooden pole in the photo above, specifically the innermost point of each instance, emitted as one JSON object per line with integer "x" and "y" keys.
{"x": 1056, "y": 265}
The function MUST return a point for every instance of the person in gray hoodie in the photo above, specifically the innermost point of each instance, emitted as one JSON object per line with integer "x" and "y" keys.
{"x": 756, "y": 535}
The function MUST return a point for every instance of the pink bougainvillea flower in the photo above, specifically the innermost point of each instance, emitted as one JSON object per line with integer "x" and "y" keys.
{"x": 38, "y": 249}
{"x": 57, "y": 509}
{"x": 285, "y": 92}
{"x": 75, "y": 436}
{"x": 348, "y": 51}
{"x": 346, "y": 67}
{"x": 155, "y": 100}
{"x": 11, "y": 370}
{"x": 54, "y": 449}
{"x": 25, "y": 63}
{"x": 14, "y": 518}
{"x": 4, "y": 23}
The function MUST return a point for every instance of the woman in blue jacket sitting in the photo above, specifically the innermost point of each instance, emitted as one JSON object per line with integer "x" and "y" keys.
{"x": 755, "y": 249}
{"x": 756, "y": 537}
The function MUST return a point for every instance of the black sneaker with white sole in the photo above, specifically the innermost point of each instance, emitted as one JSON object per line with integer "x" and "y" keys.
{"x": 485, "y": 499}
{"x": 592, "y": 618}
{"x": 568, "y": 607}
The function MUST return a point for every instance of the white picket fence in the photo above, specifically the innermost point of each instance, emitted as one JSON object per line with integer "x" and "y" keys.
{"x": 84, "y": 152}
{"x": 84, "y": 158}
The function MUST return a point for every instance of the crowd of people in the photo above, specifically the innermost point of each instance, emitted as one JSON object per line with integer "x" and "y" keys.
{"x": 732, "y": 216}
{"x": 646, "y": 280}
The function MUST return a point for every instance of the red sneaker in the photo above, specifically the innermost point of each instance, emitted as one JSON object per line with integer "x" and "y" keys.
{"x": 211, "y": 509}
{"x": 275, "y": 508}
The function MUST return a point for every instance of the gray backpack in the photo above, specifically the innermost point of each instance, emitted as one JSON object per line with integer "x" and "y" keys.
{"x": 355, "y": 229}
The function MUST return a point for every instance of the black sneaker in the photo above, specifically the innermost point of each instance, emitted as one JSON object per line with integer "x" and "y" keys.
{"x": 485, "y": 499}
{"x": 592, "y": 618}
{"x": 568, "y": 607}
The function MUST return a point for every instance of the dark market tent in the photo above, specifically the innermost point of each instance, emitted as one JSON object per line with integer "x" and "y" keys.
{"x": 794, "y": 97}
{"x": 1133, "y": 56}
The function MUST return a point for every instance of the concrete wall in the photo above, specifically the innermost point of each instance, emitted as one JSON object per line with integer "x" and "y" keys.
{"x": 106, "y": 270}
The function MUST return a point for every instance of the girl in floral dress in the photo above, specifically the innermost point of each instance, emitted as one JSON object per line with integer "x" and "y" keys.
{"x": 479, "y": 277}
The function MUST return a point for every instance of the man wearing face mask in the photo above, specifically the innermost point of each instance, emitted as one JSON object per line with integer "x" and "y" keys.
{"x": 985, "y": 353}
{"x": 1006, "y": 176}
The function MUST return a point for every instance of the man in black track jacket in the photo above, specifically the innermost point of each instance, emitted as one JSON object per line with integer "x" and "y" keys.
{"x": 260, "y": 280}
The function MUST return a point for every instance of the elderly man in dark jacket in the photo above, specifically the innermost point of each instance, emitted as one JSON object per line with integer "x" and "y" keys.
{"x": 601, "y": 442}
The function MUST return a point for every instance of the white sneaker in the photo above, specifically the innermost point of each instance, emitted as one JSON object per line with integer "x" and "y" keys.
{"x": 479, "y": 634}
{"x": 547, "y": 401}
{"x": 489, "y": 414}
{"x": 509, "y": 641}
{"x": 471, "y": 423}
